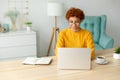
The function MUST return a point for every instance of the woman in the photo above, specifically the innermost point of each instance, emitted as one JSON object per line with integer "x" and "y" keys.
{"x": 74, "y": 36}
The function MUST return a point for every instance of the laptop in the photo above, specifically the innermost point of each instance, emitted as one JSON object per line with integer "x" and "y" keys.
{"x": 74, "y": 58}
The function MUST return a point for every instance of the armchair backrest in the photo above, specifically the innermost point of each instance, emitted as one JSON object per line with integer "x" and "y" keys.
{"x": 96, "y": 25}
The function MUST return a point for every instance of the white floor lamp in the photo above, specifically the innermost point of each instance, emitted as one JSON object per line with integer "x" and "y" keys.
{"x": 54, "y": 9}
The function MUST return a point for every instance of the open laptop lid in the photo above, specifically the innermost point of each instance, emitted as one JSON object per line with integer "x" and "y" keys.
{"x": 74, "y": 58}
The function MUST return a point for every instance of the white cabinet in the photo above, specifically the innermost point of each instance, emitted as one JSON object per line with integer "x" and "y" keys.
{"x": 17, "y": 44}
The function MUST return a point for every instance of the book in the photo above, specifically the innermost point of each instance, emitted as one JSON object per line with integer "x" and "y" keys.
{"x": 35, "y": 60}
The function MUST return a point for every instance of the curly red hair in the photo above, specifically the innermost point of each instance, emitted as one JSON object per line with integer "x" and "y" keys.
{"x": 75, "y": 12}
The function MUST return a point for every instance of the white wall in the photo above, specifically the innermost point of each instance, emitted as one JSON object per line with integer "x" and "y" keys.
{"x": 43, "y": 24}
{"x": 3, "y": 7}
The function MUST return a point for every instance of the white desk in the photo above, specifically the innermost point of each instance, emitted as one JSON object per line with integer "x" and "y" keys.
{"x": 14, "y": 70}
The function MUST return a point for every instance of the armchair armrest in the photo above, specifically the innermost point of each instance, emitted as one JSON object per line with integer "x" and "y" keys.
{"x": 106, "y": 41}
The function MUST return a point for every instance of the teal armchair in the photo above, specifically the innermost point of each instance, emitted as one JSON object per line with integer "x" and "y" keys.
{"x": 97, "y": 26}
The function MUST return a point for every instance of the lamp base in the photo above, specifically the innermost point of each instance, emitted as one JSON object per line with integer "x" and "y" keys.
{"x": 54, "y": 31}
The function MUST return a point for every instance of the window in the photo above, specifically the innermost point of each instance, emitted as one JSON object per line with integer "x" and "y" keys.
{"x": 20, "y": 5}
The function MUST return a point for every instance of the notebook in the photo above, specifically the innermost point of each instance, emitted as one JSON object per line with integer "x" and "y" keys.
{"x": 35, "y": 60}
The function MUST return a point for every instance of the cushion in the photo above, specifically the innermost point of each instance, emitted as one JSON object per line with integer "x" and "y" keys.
{"x": 93, "y": 25}
{"x": 98, "y": 47}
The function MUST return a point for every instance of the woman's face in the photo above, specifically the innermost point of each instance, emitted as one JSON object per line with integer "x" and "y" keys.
{"x": 74, "y": 23}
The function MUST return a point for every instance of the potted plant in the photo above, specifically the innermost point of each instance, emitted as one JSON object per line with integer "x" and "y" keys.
{"x": 29, "y": 25}
{"x": 116, "y": 54}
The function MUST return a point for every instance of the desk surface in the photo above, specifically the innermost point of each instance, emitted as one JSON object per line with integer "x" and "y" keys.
{"x": 15, "y": 70}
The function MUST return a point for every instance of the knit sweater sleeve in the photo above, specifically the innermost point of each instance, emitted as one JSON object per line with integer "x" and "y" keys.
{"x": 60, "y": 42}
{"x": 90, "y": 44}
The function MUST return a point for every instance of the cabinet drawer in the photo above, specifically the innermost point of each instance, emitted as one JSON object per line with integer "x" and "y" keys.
{"x": 17, "y": 40}
{"x": 15, "y": 52}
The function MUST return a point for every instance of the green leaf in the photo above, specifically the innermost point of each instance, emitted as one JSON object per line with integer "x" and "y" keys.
{"x": 13, "y": 14}
{"x": 29, "y": 24}
{"x": 117, "y": 50}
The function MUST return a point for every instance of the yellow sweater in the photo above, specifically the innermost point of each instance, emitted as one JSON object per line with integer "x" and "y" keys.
{"x": 79, "y": 39}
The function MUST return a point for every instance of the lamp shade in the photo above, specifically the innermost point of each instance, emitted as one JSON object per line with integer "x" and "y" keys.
{"x": 55, "y": 9}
